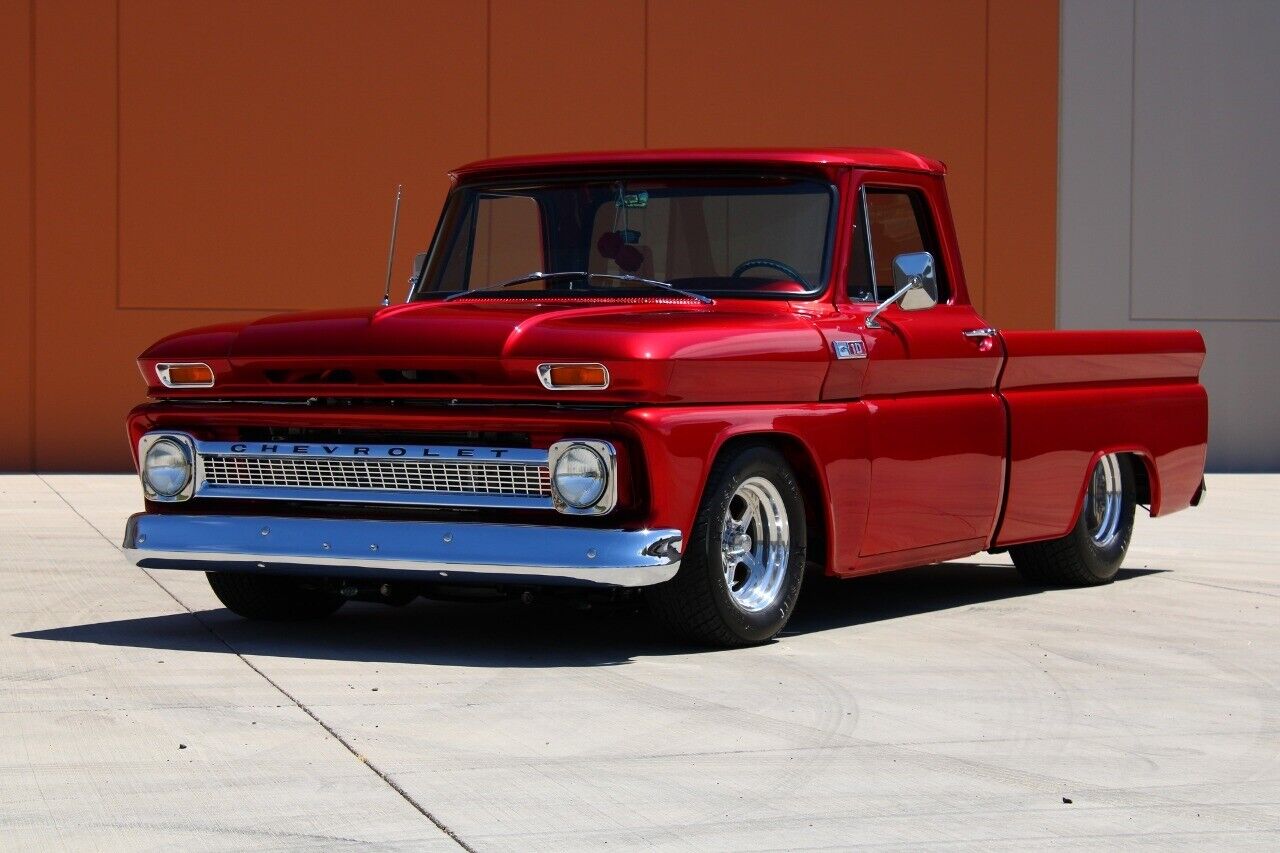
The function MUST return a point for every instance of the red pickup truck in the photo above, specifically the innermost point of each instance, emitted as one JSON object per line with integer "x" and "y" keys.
{"x": 688, "y": 376}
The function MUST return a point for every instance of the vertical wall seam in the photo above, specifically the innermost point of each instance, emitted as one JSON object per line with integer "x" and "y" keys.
{"x": 1133, "y": 134}
{"x": 1057, "y": 204}
{"x": 31, "y": 260}
{"x": 488, "y": 78}
{"x": 986, "y": 153}
{"x": 118, "y": 182}
{"x": 644, "y": 124}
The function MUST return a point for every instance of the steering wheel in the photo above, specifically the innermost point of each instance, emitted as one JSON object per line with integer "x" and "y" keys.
{"x": 785, "y": 269}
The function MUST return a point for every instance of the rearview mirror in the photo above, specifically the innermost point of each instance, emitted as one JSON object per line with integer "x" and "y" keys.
{"x": 917, "y": 268}
{"x": 915, "y": 285}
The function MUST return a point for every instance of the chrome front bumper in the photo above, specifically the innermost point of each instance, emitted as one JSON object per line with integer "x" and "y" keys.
{"x": 414, "y": 550}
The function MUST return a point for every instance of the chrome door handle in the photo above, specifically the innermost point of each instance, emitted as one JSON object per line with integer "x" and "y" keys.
{"x": 988, "y": 332}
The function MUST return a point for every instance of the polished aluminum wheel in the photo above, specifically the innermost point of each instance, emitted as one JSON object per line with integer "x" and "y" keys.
{"x": 755, "y": 545}
{"x": 1104, "y": 501}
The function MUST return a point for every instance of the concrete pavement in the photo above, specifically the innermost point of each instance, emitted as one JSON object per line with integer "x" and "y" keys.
{"x": 947, "y": 706}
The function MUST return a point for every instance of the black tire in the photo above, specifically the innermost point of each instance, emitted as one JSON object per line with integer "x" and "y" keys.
{"x": 697, "y": 602}
{"x": 1077, "y": 559}
{"x": 277, "y": 598}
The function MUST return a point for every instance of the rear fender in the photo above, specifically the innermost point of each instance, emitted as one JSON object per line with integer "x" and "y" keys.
{"x": 1141, "y": 455}
{"x": 1059, "y": 433}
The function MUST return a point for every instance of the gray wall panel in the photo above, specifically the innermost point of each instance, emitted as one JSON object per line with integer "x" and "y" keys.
{"x": 1205, "y": 187}
{"x": 1095, "y": 146}
{"x": 1168, "y": 204}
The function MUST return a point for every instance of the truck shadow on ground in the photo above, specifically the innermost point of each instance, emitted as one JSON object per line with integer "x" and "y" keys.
{"x": 511, "y": 634}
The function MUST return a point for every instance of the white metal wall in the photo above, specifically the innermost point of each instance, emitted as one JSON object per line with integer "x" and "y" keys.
{"x": 1169, "y": 193}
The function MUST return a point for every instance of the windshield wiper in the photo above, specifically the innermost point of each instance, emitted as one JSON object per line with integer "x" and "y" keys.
{"x": 546, "y": 276}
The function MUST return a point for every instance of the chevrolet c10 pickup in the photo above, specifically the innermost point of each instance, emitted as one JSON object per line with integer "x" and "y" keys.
{"x": 685, "y": 377}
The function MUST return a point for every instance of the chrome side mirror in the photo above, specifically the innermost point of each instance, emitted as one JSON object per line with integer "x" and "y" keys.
{"x": 916, "y": 281}
{"x": 916, "y": 269}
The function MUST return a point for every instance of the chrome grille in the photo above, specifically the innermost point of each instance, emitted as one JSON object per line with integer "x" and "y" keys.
{"x": 388, "y": 475}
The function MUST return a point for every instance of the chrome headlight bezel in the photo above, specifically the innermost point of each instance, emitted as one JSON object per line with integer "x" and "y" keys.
{"x": 185, "y": 446}
{"x": 608, "y": 457}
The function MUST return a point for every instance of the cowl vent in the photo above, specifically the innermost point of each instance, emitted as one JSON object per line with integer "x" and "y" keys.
{"x": 419, "y": 377}
{"x": 343, "y": 376}
{"x": 333, "y": 376}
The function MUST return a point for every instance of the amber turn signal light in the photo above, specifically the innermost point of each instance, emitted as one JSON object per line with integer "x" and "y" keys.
{"x": 185, "y": 375}
{"x": 574, "y": 377}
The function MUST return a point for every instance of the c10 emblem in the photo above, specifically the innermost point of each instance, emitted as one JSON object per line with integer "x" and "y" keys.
{"x": 849, "y": 349}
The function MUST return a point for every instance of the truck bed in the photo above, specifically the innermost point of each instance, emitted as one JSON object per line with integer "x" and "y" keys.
{"x": 1073, "y": 396}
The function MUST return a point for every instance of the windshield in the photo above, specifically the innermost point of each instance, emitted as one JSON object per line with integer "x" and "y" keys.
{"x": 716, "y": 236}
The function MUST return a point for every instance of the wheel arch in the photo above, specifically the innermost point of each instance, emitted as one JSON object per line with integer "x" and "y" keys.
{"x": 813, "y": 485}
{"x": 1146, "y": 479}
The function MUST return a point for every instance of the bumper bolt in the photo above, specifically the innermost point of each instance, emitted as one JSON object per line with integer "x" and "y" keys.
{"x": 264, "y": 531}
{"x": 448, "y": 537}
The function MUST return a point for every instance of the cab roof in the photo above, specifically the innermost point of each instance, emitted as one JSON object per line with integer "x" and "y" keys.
{"x": 867, "y": 158}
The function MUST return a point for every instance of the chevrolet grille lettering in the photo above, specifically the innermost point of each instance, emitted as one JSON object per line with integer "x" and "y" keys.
{"x": 370, "y": 450}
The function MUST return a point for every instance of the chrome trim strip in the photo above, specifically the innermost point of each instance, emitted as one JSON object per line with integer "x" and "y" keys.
{"x": 374, "y": 496}
{"x": 392, "y": 452}
{"x": 871, "y": 254}
{"x": 421, "y": 550}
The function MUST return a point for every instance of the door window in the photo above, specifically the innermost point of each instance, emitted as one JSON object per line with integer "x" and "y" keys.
{"x": 891, "y": 222}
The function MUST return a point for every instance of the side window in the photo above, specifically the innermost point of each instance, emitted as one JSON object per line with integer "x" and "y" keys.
{"x": 897, "y": 222}
{"x": 502, "y": 240}
{"x": 862, "y": 287}
{"x": 508, "y": 240}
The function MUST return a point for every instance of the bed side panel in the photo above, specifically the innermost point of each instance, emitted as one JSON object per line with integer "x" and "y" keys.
{"x": 1073, "y": 396}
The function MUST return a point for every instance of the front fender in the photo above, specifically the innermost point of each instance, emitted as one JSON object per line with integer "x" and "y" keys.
{"x": 680, "y": 446}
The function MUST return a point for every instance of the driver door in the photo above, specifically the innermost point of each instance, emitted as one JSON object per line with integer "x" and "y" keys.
{"x": 936, "y": 427}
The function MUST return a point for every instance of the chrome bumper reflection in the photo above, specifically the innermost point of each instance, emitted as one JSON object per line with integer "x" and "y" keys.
{"x": 419, "y": 550}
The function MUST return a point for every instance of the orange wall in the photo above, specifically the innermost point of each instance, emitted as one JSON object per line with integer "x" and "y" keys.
{"x": 169, "y": 165}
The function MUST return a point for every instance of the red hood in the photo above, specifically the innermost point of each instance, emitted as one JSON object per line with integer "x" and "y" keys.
{"x": 657, "y": 350}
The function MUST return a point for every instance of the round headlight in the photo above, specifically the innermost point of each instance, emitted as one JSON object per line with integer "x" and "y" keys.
{"x": 580, "y": 476}
{"x": 166, "y": 468}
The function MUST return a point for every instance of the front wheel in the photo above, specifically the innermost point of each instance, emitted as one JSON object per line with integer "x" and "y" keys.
{"x": 276, "y": 598}
{"x": 1092, "y": 552}
{"x": 741, "y": 571}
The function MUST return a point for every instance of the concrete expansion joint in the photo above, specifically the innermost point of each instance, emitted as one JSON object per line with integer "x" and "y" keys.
{"x": 382, "y": 775}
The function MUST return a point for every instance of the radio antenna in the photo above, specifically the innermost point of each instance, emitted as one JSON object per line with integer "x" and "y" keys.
{"x": 391, "y": 253}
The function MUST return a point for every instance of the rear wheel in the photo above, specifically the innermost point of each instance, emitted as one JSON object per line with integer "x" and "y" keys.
{"x": 741, "y": 571}
{"x": 277, "y": 598}
{"x": 1092, "y": 552}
